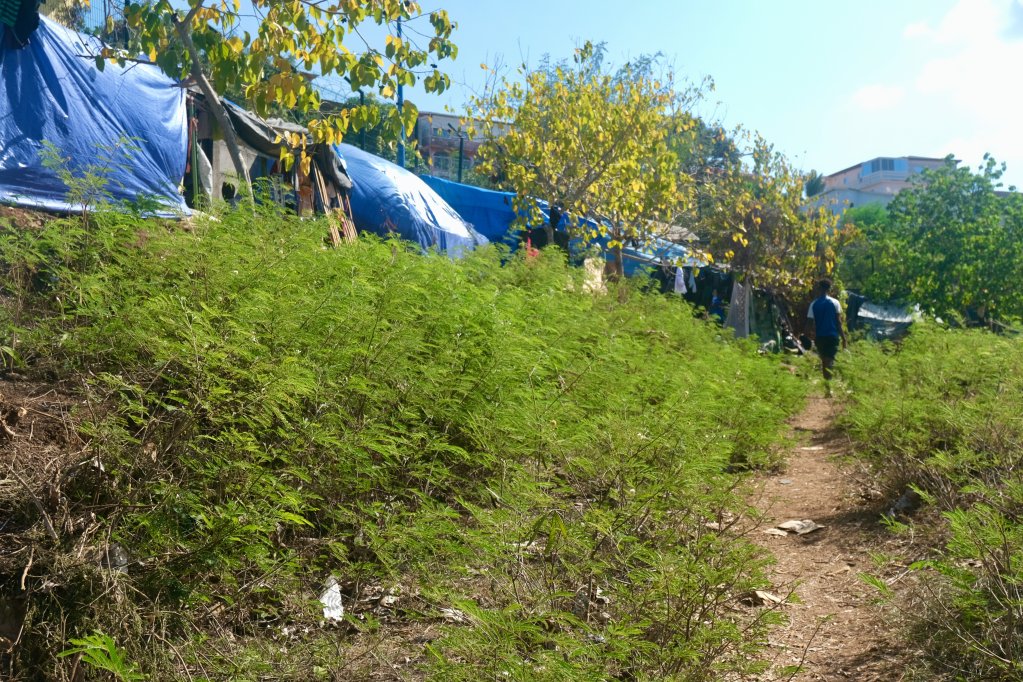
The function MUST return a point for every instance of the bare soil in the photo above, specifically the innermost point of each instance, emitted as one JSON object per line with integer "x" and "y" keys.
{"x": 836, "y": 629}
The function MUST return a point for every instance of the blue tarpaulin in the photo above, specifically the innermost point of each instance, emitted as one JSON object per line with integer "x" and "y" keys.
{"x": 492, "y": 212}
{"x": 488, "y": 211}
{"x": 51, "y": 90}
{"x": 657, "y": 252}
{"x": 387, "y": 199}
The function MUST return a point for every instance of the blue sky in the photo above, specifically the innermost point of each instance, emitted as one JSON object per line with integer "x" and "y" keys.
{"x": 829, "y": 83}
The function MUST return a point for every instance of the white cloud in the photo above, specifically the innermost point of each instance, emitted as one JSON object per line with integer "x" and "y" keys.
{"x": 967, "y": 22}
{"x": 975, "y": 55}
{"x": 917, "y": 30}
{"x": 878, "y": 97}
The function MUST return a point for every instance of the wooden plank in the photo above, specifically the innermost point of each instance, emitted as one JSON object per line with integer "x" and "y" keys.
{"x": 332, "y": 231}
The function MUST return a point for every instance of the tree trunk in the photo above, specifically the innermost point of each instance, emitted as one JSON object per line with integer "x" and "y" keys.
{"x": 213, "y": 101}
{"x": 619, "y": 264}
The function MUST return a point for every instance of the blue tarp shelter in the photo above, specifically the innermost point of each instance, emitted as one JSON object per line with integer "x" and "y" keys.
{"x": 488, "y": 211}
{"x": 387, "y": 199}
{"x": 491, "y": 213}
{"x": 51, "y": 90}
{"x": 654, "y": 254}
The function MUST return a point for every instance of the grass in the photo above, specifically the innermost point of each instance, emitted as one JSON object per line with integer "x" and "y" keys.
{"x": 940, "y": 414}
{"x": 524, "y": 470}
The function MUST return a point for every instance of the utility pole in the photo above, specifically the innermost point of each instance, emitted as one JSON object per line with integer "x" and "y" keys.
{"x": 461, "y": 147}
{"x": 362, "y": 103}
{"x": 401, "y": 109}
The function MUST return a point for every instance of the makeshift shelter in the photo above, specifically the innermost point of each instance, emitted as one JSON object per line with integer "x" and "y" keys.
{"x": 492, "y": 213}
{"x": 387, "y": 199}
{"x": 656, "y": 253}
{"x": 261, "y": 142}
{"x": 489, "y": 212}
{"x": 124, "y": 125}
{"x": 880, "y": 321}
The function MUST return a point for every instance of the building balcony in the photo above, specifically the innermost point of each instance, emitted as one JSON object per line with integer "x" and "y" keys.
{"x": 882, "y": 176}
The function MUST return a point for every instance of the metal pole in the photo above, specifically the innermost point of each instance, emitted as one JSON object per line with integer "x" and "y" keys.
{"x": 362, "y": 133}
{"x": 401, "y": 108}
{"x": 461, "y": 143}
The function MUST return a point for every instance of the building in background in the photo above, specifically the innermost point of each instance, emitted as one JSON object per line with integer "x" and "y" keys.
{"x": 444, "y": 142}
{"x": 876, "y": 181}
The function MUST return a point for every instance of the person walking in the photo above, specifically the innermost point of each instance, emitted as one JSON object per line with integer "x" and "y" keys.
{"x": 828, "y": 328}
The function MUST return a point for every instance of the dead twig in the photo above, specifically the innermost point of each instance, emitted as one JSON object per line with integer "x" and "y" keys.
{"x": 28, "y": 566}
{"x": 39, "y": 505}
{"x": 806, "y": 649}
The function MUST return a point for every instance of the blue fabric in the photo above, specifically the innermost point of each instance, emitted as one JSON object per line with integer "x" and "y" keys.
{"x": 654, "y": 254}
{"x": 492, "y": 213}
{"x": 387, "y": 199}
{"x": 51, "y": 90}
{"x": 825, "y": 317}
{"x": 488, "y": 211}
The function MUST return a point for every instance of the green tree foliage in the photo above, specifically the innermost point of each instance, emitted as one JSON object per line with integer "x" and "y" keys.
{"x": 759, "y": 223}
{"x": 596, "y": 143}
{"x": 863, "y": 262}
{"x": 207, "y": 42}
{"x": 951, "y": 244}
{"x": 814, "y": 184}
{"x": 374, "y": 134}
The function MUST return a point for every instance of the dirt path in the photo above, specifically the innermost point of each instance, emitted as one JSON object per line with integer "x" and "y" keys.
{"x": 835, "y": 630}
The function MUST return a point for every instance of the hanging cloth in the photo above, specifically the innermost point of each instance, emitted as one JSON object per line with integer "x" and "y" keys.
{"x": 680, "y": 281}
{"x": 739, "y": 309}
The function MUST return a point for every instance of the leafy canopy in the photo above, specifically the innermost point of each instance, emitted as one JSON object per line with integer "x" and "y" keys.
{"x": 294, "y": 41}
{"x": 597, "y": 144}
{"x": 952, "y": 243}
{"x": 757, "y": 220}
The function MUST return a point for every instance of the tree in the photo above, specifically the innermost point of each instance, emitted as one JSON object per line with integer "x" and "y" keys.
{"x": 593, "y": 143}
{"x": 864, "y": 264}
{"x": 952, "y": 245}
{"x": 759, "y": 223}
{"x": 207, "y": 43}
{"x": 814, "y": 184}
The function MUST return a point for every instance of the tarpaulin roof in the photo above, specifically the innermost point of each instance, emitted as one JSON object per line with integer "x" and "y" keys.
{"x": 488, "y": 211}
{"x": 263, "y": 135}
{"x": 51, "y": 90}
{"x": 656, "y": 252}
{"x": 387, "y": 199}
{"x": 492, "y": 213}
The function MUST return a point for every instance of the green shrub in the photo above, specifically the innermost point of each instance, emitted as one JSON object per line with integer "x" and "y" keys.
{"x": 480, "y": 435}
{"x": 941, "y": 413}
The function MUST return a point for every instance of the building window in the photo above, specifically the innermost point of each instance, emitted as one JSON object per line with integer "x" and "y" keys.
{"x": 441, "y": 164}
{"x": 878, "y": 165}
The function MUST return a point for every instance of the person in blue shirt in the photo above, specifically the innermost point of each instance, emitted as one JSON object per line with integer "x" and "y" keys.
{"x": 717, "y": 307}
{"x": 826, "y": 313}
